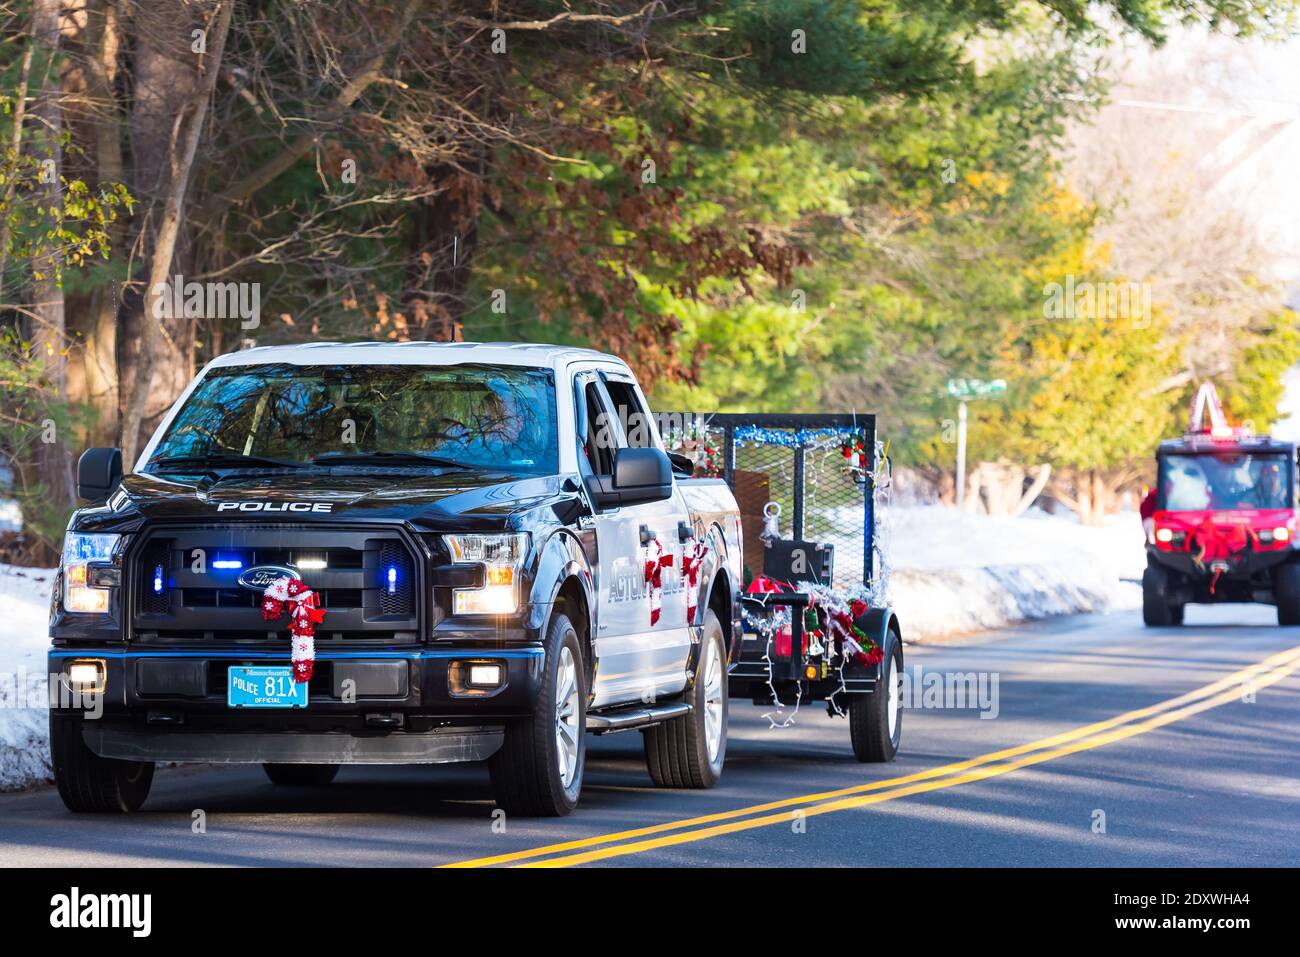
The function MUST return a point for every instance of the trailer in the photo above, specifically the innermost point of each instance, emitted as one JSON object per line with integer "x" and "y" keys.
{"x": 817, "y": 626}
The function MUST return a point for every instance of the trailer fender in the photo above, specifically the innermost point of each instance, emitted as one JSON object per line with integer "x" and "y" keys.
{"x": 878, "y": 623}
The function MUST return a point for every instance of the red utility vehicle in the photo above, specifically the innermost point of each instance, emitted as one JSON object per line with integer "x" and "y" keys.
{"x": 1224, "y": 521}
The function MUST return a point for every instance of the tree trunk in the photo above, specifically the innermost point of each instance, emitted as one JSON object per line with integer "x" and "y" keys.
{"x": 444, "y": 235}
{"x": 15, "y": 148}
{"x": 49, "y": 338}
{"x": 99, "y": 349}
{"x": 1092, "y": 493}
{"x": 1004, "y": 488}
{"x": 185, "y": 126}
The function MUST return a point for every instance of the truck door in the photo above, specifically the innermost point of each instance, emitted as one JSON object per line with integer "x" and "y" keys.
{"x": 637, "y": 660}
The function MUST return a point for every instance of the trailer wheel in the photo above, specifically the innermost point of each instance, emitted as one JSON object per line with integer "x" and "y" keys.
{"x": 538, "y": 770}
{"x": 301, "y": 775}
{"x": 1157, "y": 612}
{"x": 876, "y": 719}
{"x": 89, "y": 783}
{"x": 688, "y": 752}
{"x": 1287, "y": 595}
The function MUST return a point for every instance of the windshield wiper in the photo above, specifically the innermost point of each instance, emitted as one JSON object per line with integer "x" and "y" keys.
{"x": 222, "y": 460}
{"x": 387, "y": 458}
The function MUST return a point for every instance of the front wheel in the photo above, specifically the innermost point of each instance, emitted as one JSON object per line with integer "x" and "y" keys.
{"x": 88, "y": 782}
{"x": 688, "y": 752}
{"x": 1287, "y": 595}
{"x": 1157, "y": 611}
{"x": 876, "y": 719}
{"x": 538, "y": 770}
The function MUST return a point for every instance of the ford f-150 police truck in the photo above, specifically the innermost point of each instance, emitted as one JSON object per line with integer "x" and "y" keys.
{"x": 489, "y": 542}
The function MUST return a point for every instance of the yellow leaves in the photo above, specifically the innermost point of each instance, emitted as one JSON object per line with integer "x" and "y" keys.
{"x": 997, "y": 183}
{"x": 1065, "y": 205}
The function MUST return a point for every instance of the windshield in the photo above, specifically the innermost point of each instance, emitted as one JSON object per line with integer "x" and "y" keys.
{"x": 497, "y": 417}
{"x": 1224, "y": 480}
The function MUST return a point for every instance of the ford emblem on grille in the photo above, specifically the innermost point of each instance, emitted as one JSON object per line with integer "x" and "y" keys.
{"x": 259, "y": 577}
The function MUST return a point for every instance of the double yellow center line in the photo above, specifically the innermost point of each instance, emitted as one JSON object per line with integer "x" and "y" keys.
{"x": 585, "y": 850}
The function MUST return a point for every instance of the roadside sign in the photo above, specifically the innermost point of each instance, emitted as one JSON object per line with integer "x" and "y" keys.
{"x": 967, "y": 389}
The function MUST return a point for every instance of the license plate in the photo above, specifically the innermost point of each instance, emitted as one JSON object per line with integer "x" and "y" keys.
{"x": 264, "y": 686}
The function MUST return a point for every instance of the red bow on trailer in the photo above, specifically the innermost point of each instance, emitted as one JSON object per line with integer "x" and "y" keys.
{"x": 305, "y": 614}
{"x": 762, "y": 585}
{"x": 655, "y": 564}
{"x": 844, "y": 629}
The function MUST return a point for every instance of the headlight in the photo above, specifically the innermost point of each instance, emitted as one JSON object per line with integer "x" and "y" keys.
{"x": 78, "y": 552}
{"x": 502, "y": 557}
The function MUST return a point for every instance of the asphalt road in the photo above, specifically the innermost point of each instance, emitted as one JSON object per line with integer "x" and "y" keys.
{"x": 1198, "y": 776}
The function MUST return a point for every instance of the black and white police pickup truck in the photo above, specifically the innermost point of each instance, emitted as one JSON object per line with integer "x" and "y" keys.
{"x": 494, "y": 552}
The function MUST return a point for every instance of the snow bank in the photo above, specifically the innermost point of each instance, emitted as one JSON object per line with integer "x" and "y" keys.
{"x": 953, "y": 573}
{"x": 24, "y": 639}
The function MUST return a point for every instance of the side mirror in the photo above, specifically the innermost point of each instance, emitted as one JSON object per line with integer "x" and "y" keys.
{"x": 640, "y": 475}
{"x": 99, "y": 472}
{"x": 683, "y": 465}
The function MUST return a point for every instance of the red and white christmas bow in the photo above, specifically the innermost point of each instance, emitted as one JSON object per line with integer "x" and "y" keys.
{"x": 655, "y": 563}
{"x": 693, "y": 553}
{"x": 861, "y": 655}
{"x": 842, "y": 630}
{"x": 305, "y": 614}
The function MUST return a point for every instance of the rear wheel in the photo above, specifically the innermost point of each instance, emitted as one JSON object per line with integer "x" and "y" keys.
{"x": 301, "y": 775}
{"x": 876, "y": 719}
{"x": 688, "y": 752}
{"x": 538, "y": 771}
{"x": 1287, "y": 595}
{"x": 1157, "y": 612}
{"x": 88, "y": 782}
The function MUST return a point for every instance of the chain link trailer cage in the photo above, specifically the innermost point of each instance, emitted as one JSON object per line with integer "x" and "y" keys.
{"x": 808, "y": 487}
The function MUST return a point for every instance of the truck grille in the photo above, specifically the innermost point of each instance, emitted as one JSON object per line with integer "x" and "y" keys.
{"x": 187, "y": 589}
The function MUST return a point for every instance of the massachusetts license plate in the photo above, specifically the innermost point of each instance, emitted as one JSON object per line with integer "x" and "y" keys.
{"x": 264, "y": 686}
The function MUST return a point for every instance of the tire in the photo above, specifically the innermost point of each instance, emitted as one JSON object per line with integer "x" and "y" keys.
{"x": 301, "y": 775}
{"x": 876, "y": 719}
{"x": 89, "y": 783}
{"x": 1287, "y": 595}
{"x": 538, "y": 770}
{"x": 1156, "y": 609}
{"x": 689, "y": 752}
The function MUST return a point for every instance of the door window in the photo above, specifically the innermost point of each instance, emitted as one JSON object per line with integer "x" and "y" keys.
{"x": 603, "y": 435}
{"x": 638, "y": 430}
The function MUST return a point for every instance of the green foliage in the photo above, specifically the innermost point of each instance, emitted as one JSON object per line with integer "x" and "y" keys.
{"x": 72, "y": 232}
{"x": 31, "y": 412}
{"x": 1272, "y": 345}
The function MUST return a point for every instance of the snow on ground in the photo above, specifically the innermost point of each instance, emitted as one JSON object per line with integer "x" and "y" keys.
{"x": 952, "y": 573}
{"x": 24, "y": 638}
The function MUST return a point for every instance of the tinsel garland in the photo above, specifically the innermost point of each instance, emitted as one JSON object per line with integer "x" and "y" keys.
{"x": 791, "y": 438}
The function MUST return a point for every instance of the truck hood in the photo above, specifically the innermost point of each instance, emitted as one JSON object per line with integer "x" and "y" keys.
{"x": 453, "y": 500}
